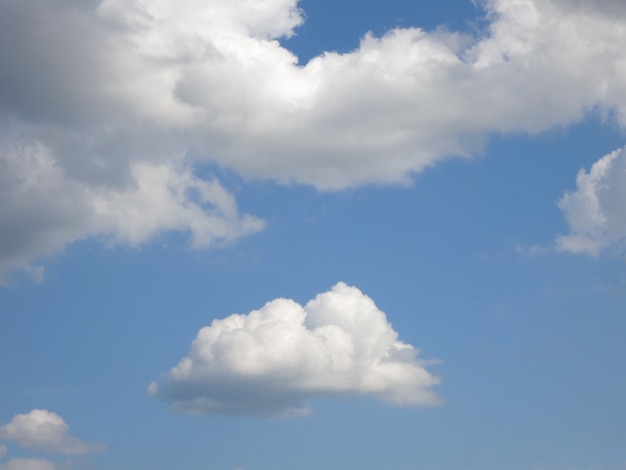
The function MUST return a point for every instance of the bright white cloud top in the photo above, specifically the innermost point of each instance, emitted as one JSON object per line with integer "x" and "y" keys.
{"x": 109, "y": 129}
{"x": 272, "y": 361}
{"x": 595, "y": 212}
{"x": 45, "y": 430}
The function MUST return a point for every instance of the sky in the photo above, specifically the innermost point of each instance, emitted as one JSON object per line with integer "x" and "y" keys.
{"x": 281, "y": 234}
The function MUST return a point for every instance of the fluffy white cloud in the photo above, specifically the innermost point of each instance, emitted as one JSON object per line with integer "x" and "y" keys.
{"x": 28, "y": 464}
{"x": 273, "y": 360}
{"x": 46, "y": 430}
{"x": 44, "y": 208}
{"x": 393, "y": 106}
{"x": 3, "y": 451}
{"x": 595, "y": 212}
{"x": 111, "y": 119}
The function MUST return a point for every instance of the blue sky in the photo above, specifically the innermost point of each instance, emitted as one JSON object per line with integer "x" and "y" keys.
{"x": 422, "y": 233}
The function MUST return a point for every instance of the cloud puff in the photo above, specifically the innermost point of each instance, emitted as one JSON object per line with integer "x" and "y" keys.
{"x": 46, "y": 430}
{"x": 3, "y": 451}
{"x": 273, "y": 360}
{"x": 156, "y": 86}
{"x": 595, "y": 212}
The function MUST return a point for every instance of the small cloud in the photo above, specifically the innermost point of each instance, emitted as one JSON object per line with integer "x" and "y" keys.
{"x": 595, "y": 212}
{"x": 46, "y": 430}
{"x": 3, "y": 451}
{"x": 272, "y": 361}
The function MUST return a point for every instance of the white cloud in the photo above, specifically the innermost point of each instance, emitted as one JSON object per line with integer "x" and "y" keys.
{"x": 595, "y": 212}
{"x": 3, "y": 451}
{"x": 106, "y": 122}
{"x": 28, "y": 464}
{"x": 397, "y": 104}
{"x": 46, "y": 430}
{"x": 273, "y": 360}
{"x": 45, "y": 208}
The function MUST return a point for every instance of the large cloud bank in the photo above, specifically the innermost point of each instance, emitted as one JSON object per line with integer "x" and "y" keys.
{"x": 45, "y": 430}
{"x": 596, "y": 212}
{"x": 99, "y": 137}
{"x": 272, "y": 361}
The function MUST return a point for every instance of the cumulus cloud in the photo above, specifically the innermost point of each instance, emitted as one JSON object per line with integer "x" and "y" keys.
{"x": 28, "y": 464}
{"x": 42, "y": 429}
{"x": 272, "y": 361}
{"x": 157, "y": 86}
{"x": 595, "y": 212}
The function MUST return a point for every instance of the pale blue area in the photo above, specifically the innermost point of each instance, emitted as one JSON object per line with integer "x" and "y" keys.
{"x": 532, "y": 347}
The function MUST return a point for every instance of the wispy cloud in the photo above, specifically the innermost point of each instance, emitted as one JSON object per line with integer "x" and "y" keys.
{"x": 29, "y": 464}
{"x": 532, "y": 250}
